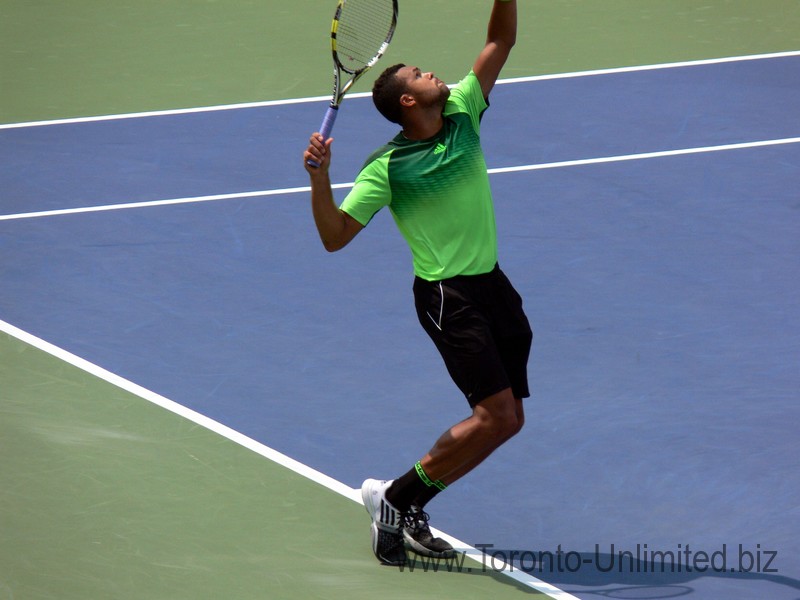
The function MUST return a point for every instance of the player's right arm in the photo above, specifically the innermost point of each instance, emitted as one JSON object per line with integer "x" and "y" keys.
{"x": 336, "y": 228}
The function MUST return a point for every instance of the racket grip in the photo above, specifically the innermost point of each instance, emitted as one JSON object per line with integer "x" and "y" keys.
{"x": 326, "y": 127}
{"x": 327, "y": 123}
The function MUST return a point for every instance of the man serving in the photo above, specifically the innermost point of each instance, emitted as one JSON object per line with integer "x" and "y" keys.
{"x": 432, "y": 177}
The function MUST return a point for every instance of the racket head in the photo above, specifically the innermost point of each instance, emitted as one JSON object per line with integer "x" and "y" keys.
{"x": 361, "y": 32}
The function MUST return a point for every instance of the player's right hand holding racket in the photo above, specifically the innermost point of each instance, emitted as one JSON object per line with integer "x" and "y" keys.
{"x": 318, "y": 154}
{"x": 360, "y": 33}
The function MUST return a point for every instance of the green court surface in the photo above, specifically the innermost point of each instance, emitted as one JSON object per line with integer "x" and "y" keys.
{"x": 87, "y": 57}
{"x": 105, "y": 495}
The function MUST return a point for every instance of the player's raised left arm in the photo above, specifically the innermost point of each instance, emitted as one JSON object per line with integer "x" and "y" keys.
{"x": 500, "y": 38}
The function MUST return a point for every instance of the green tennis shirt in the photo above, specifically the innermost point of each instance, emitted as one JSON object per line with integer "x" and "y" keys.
{"x": 437, "y": 191}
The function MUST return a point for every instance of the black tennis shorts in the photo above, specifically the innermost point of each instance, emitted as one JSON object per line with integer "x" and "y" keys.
{"x": 481, "y": 331}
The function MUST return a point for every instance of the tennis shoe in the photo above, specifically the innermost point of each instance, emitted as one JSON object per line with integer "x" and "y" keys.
{"x": 387, "y": 523}
{"x": 418, "y": 537}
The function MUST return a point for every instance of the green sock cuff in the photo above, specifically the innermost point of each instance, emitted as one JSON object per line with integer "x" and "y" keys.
{"x": 427, "y": 480}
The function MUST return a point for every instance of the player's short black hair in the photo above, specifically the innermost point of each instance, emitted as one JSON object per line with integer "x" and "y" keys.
{"x": 386, "y": 93}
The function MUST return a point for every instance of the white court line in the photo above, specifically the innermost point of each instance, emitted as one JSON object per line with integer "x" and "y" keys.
{"x": 244, "y": 105}
{"x": 269, "y": 453}
{"x": 151, "y": 203}
{"x": 655, "y": 67}
{"x": 646, "y": 155}
{"x": 306, "y": 189}
{"x": 178, "y": 409}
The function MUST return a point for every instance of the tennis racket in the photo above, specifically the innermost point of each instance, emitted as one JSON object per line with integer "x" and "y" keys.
{"x": 360, "y": 33}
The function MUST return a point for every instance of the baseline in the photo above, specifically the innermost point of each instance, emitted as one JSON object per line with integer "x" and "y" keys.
{"x": 266, "y": 103}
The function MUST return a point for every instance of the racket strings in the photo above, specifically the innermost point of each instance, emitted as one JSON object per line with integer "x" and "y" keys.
{"x": 365, "y": 26}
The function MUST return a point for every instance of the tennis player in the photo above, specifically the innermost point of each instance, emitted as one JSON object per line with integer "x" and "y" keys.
{"x": 432, "y": 177}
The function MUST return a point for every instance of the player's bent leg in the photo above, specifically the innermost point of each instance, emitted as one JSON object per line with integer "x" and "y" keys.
{"x": 495, "y": 422}
{"x": 465, "y": 445}
{"x": 465, "y": 468}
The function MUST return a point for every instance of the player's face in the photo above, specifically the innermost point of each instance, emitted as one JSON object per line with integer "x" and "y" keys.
{"x": 426, "y": 88}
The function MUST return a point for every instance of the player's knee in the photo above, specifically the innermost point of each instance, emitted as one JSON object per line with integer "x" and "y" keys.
{"x": 514, "y": 424}
{"x": 500, "y": 428}
{"x": 519, "y": 423}
{"x": 512, "y": 420}
{"x": 500, "y": 416}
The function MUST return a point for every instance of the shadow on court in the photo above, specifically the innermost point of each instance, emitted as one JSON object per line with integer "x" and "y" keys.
{"x": 643, "y": 572}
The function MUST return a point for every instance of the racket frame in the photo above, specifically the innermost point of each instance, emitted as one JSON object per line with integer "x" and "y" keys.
{"x": 339, "y": 69}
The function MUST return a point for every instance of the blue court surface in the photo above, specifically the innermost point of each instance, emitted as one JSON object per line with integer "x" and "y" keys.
{"x": 650, "y": 219}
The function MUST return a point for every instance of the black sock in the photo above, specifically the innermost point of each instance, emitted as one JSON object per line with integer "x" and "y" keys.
{"x": 405, "y": 489}
{"x": 425, "y": 496}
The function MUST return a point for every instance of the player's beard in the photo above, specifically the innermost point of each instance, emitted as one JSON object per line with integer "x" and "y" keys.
{"x": 439, "y": 100}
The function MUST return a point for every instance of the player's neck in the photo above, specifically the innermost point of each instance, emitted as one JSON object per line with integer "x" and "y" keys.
{"x": 423, "y": 126}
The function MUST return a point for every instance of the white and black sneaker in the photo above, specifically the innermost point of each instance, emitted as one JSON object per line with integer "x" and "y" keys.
{"x": 418, "y": 537}
{"x": 387, "y": 523}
